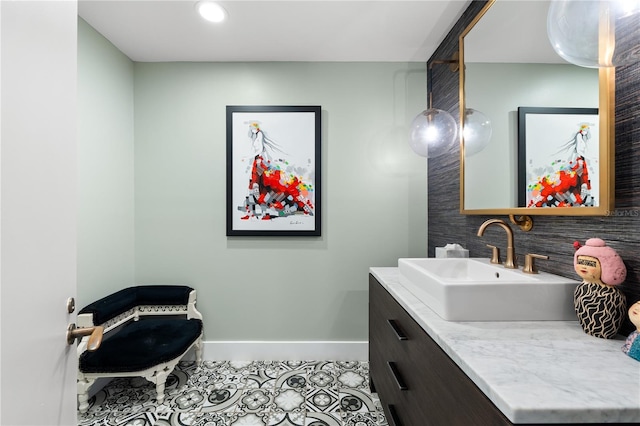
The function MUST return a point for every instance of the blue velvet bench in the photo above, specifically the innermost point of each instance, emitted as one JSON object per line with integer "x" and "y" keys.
{"x": 147, "y": 330}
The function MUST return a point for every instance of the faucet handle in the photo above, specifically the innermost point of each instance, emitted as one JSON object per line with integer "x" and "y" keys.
{"x": 495, "y": 254}
{"x": 529, "y": 263}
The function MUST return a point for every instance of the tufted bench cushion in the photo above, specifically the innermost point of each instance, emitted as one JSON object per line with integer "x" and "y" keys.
{"x": 142, "y": 344}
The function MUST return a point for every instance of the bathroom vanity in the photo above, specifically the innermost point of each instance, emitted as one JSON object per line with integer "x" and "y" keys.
{"x": 428, "y": 371}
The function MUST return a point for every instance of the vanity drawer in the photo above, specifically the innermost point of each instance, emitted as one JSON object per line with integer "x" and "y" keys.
{"x": 418, "y": 384}
{"x": 391, "y": 332}
{"x": 389, "y": 320}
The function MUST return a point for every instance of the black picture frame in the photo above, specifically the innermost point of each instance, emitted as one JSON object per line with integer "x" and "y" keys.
{"x": 559, "y": 136}
{"x": 273, "y": 170}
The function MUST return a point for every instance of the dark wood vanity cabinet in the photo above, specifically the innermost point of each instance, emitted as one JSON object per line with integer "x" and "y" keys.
{"x": 418, "y": 384}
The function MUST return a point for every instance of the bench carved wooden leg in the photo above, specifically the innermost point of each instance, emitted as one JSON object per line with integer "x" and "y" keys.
{"x": 159, "y": 378}
{"x": 199, "y": 350}
{"x": 83, "y": 393}
{"x": 160, "y": 390}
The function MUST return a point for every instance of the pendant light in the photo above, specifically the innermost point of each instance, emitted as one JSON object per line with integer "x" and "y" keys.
{"x": 433, "y": 131}
{"x": 583, "y": 31}
{"x": 476, "y": 132}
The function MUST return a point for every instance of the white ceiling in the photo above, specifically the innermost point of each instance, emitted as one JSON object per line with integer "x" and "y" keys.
{"x": 512, "y": 31}
{"x": 265, "y": 30}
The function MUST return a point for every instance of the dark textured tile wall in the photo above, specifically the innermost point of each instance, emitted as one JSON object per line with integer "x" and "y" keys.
{"x": 551, "y": 235}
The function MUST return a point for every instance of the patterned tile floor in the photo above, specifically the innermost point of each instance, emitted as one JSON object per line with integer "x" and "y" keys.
{"x": 257, "y": 393}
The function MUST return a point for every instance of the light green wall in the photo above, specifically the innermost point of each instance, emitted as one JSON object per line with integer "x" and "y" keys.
{"x": 374, "y": 194}
{"x": 163, "y": 221}
{"x": 105, "y": 167}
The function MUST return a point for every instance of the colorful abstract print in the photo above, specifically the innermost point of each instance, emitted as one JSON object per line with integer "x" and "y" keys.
{"x": 275, "y": 189}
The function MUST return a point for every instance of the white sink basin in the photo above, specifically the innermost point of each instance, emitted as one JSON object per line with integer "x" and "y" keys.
{"x": 471, "y": 289}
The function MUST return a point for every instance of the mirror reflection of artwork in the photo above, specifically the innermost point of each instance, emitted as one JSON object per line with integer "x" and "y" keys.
{"x": 558, "y": 150}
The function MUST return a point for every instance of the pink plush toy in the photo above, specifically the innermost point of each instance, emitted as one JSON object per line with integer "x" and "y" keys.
{"x": 600, "y": 305}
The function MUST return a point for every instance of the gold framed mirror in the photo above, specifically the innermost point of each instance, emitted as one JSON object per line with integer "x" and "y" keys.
{"x": 548, "y": 154}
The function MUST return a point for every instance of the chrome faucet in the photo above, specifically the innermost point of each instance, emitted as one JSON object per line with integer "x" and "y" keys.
{"x": 511, "y": 252}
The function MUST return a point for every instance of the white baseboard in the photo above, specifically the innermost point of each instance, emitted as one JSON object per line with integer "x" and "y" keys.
{"x": 285, "y": 351}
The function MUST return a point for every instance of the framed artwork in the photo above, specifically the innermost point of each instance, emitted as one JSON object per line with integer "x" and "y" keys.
{"x": 558, "y": 157}
{"x": 273, "y": 171}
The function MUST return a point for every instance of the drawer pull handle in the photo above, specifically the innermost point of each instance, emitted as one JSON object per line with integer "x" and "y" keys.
{"x": 395, "y": 421}
{"x": 397, "y": 330}
{"x": 396, "y": 375}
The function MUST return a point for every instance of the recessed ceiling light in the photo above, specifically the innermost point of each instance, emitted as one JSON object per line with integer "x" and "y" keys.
{"x": 211, "y": 11}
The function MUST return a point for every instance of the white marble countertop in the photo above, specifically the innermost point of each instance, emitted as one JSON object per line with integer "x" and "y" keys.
{"x": 534, "y": 371}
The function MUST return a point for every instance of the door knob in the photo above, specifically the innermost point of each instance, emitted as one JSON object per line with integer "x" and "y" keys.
{"x": 95, "y": 335}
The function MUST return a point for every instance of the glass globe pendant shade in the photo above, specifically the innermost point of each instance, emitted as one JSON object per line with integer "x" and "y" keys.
{"x": 627, "y": 8}
{"x": 582, "y": 32}
{"x": 433, "y": 132}
{"x": 476, "y": 132}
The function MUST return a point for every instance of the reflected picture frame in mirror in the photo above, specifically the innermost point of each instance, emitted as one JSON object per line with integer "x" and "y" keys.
{"x": 472, "y": 166}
